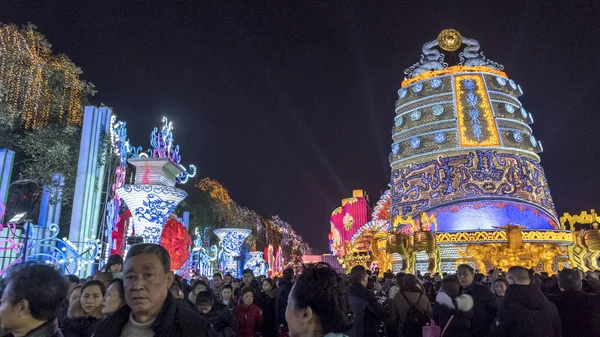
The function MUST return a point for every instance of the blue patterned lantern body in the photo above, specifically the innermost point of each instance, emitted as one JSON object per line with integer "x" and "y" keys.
{"x": 231, "y": 243}
{"x": 153, "y": 197}
{"x": 257, "y": 263}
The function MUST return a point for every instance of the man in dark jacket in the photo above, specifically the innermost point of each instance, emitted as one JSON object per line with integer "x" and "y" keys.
{"x": 368, "y": 313}
{"x": 484, "y": 301}
{"x": 283, "y": 291}
{"x": 222, "y": 321}
{"x": 30, "y": 301}
{"x": 250, "y": 281}
{"x": 579, "y": 312}
{"x": 151, "y": 310}
{"x": 525, "y": 311}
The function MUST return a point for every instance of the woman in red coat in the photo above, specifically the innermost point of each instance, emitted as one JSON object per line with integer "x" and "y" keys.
{"x": 248, "y": 315}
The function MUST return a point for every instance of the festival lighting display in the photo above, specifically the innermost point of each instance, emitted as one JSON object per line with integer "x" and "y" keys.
{"x": 203, "y": 258}
{"x": 257, "y": 263}
{"x": 87, "y": 198}
{"x": 153, "y": 196}
{"x": 48, "y": 249}
{"x": 462, "y": 147}
{"x": 231, "y": 241}
{"x": 463, "y": 152}
{"x": 27, "y": 67}
{"x": 150, "y": 200}
{"x": 347, "y": 219}
{"x": 7, "y": 158}
{"x": 162, "y": 146}
{"x": 466, "y": 184}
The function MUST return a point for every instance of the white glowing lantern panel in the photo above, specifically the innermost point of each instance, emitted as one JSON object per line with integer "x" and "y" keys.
{"x": 150, "y": 207}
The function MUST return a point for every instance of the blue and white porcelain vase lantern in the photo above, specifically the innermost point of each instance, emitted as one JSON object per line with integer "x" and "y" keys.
{"x": 231, "y": 241}
{"x": 153, "y": 196}
{"x": 257, "y": 263}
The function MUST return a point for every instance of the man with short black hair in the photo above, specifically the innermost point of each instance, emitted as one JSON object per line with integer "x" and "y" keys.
{"x": 525, "y": 310}
{"x": 579, "y": 312}
{"x": 30, "y": 301}
{"x": 217, "y": 285}
{"x": 281, "y": 299}
{"x": 368, "y": 313}
{"x": 222, "y": 321}
{"x": 72, "y": 281}
{"x": 484, "y": 301}
{"x": 247, "y": 277}
{"x": 151, "y": 310}
{"x": 104, "y": 277}
{"x": 248, "y": 280}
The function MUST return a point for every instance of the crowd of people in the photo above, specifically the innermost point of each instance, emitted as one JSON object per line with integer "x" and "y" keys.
{"x": 518, "y": 302}
{"x": 140, "y": 296}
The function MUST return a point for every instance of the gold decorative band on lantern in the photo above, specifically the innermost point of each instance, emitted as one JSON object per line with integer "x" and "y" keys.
{"x": 453, "y": 70}
{"x": 558, "y": 237}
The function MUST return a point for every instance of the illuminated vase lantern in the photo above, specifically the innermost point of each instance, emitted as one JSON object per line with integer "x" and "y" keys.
{"x": 257, "y": 263}
{"x": 463, "y": 151}
{"x": 231, "y": 243}
{"x": 153, "y": 197}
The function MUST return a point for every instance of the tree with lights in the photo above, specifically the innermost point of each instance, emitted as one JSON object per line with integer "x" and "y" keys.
{"x": 41, "y": 110}
{"x": 272, "y": 231}
{"x": 42, "y": 87}
{"x": 280, "y": 234}
{"x": 40, "y": 153}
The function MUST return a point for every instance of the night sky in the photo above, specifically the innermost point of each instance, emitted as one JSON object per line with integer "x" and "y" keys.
{"x": 290, "y": 104}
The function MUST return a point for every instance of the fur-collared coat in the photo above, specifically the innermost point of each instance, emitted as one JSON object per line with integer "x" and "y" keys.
{"x": 461, "y": 311}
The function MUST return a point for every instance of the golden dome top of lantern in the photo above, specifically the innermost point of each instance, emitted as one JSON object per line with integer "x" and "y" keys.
{"x": 449, "y": 39}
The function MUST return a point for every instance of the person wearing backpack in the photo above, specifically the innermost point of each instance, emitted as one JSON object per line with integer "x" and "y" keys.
{"x": 368, "y": 313}
{"x": 411, "y": 310}
{"x": 453, "y": 311}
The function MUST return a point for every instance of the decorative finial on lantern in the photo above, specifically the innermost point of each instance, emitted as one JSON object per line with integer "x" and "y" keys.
{"x": 449, "y": 39}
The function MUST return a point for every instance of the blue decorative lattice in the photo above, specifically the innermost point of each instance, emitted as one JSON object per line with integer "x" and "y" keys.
{"x": 435, "y": 83}
{"x": 533, "y": 141}
{"x": 398, "y": 120}
{"x": 473, "y": 111}
{"x": 439, "y": 137}
{"x": 415, "y": 142}
{"x": 402, "y": 93}
{"x": 517, "y": 136}
{"x": 523, "y": 113}
{"x": 415, "y": 115}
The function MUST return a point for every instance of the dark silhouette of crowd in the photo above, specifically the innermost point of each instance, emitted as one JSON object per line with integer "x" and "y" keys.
{"x": 140, "y": 296}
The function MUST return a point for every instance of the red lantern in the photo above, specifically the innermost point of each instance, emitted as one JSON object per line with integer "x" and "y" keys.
{"x": 177, "y": 241}
{"x": 118, "y": 236}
